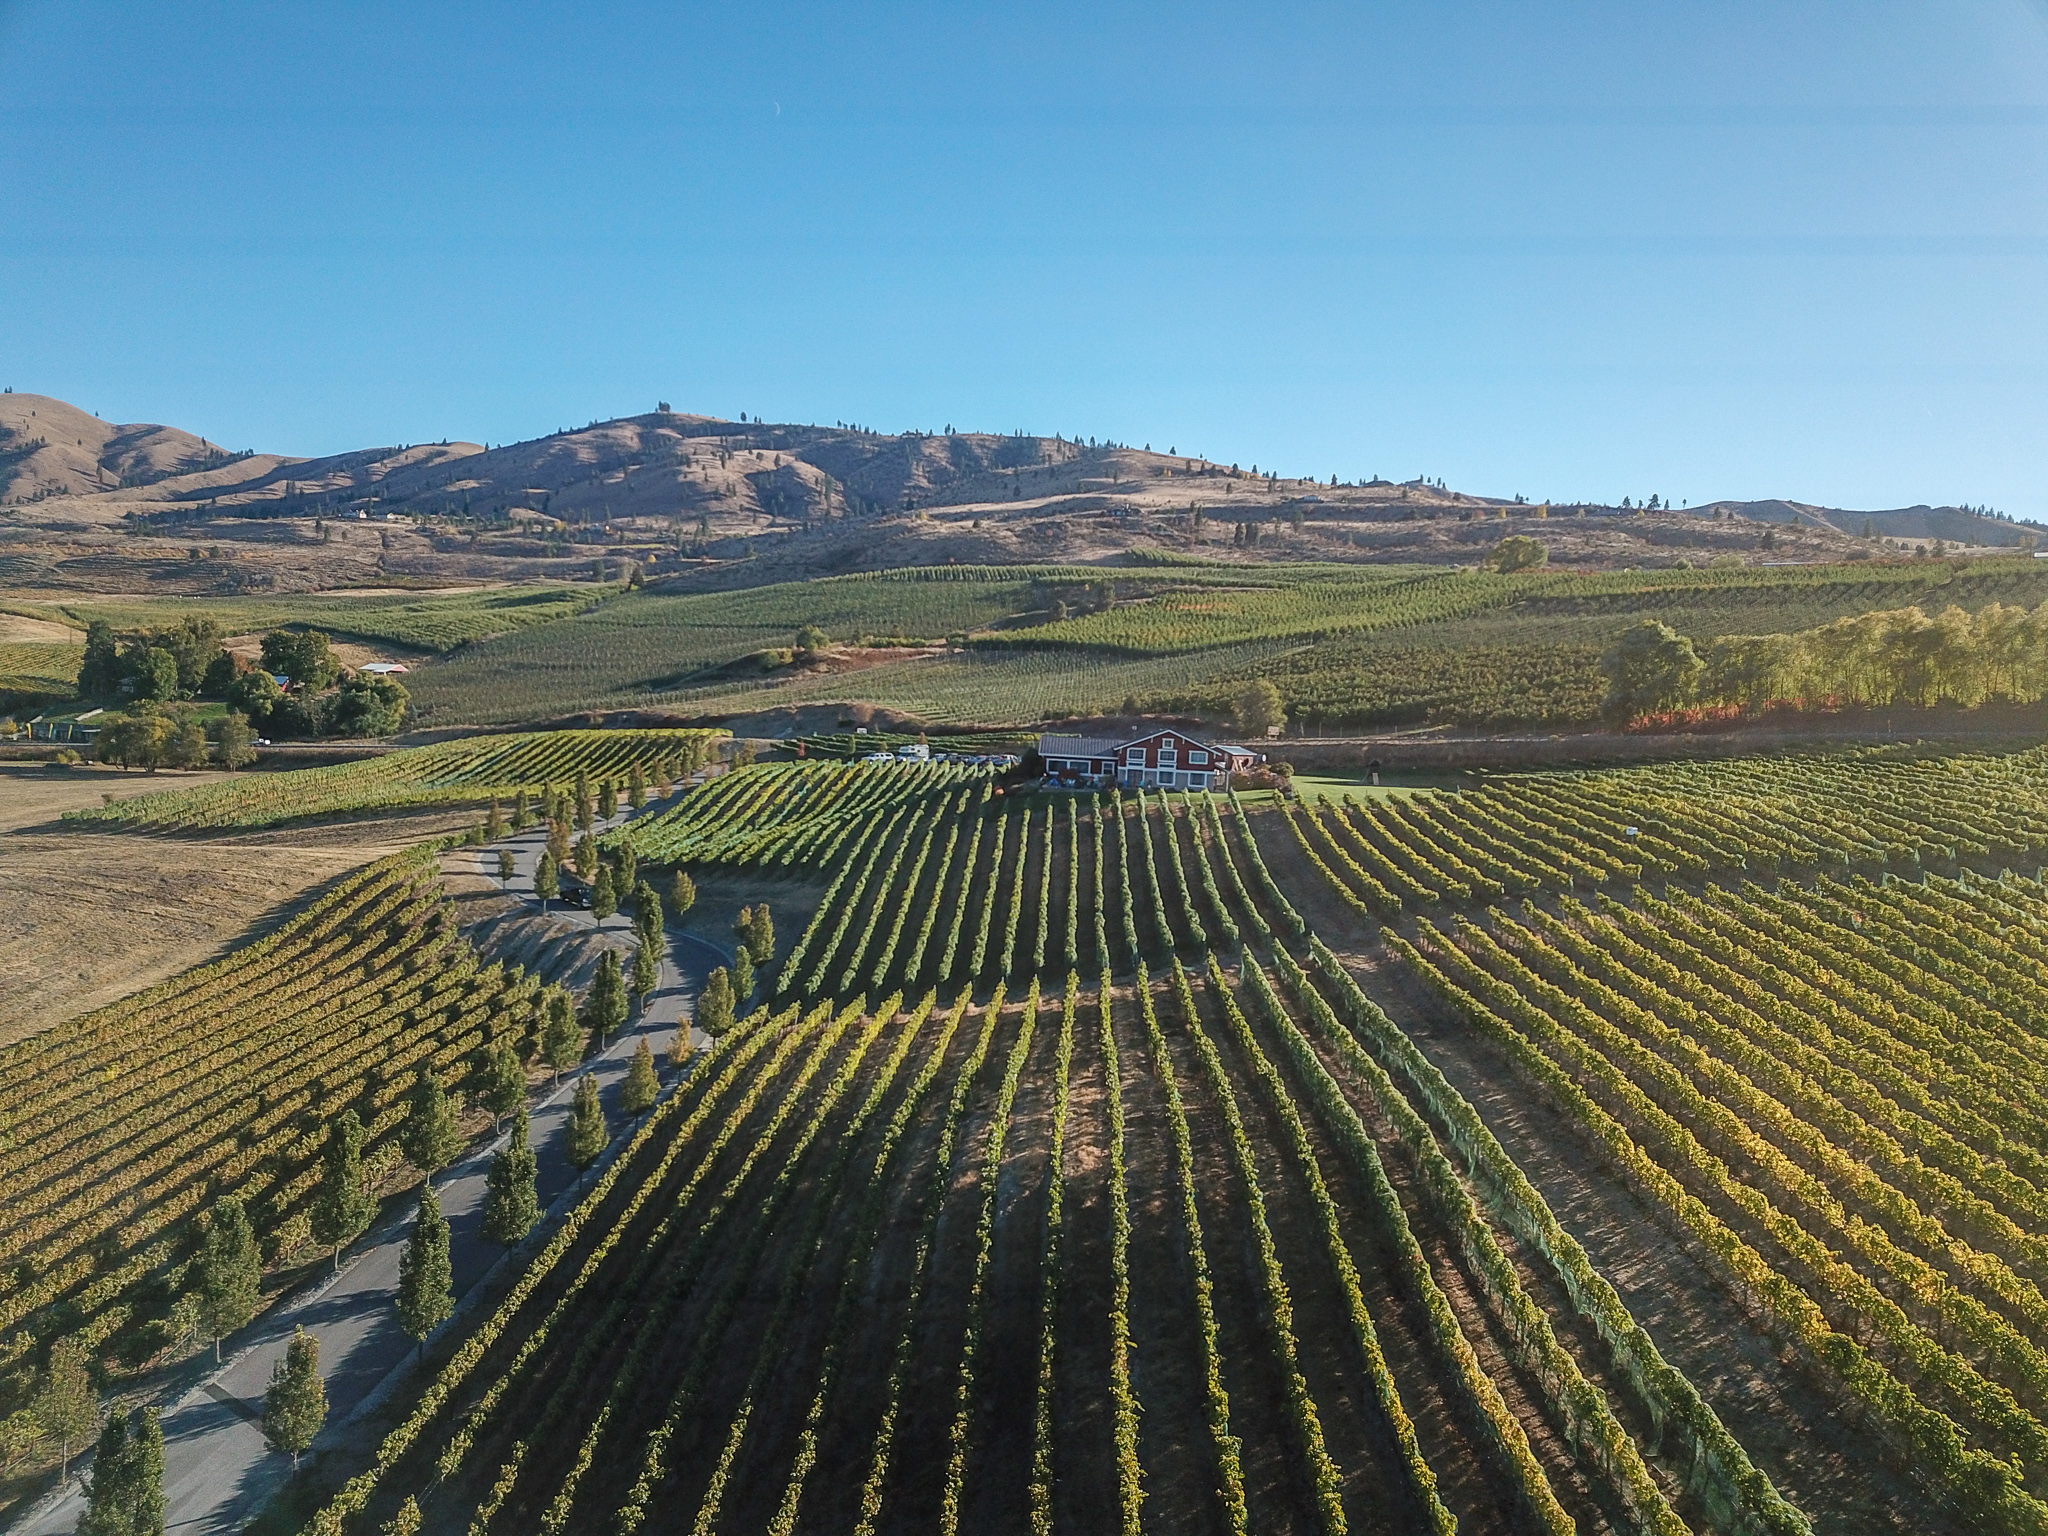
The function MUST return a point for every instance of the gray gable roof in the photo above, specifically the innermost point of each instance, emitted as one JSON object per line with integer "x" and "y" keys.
{"x": 1078, "y": 746}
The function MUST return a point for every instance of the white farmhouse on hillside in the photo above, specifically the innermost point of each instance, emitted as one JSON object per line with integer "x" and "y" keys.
{"x": 1156, "y": 760}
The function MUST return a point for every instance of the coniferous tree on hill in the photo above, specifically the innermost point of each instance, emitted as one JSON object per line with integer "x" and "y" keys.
{"x": 504, "y": 1081}
{"x": 126, "y": 1496}
{"x": 561, "y": 1038}
{"x": 587, "y": 1136}
{"x": 642, "y": 1085}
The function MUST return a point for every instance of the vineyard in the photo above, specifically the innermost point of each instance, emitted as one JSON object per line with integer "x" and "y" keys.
{"x": 1648, "y": 1150}
{"x": 427, "y": 621}
{"x": 38, "y": 669}
{"x": 1347, "y": 645}
{"x": 1070, "y": 1177}
{"x": 120, "y": 1128}
{"x": 467, "y": 772}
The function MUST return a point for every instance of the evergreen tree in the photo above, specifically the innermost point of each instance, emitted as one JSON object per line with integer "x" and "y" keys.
{"x": 547, "y": 880}
{"x": 68, "y": 1407}
{"x": 522, "y": 811}
{"x": 494, "y": 824}
{"x": 743, "y": 925}
{"x": 646, "y": 969}
{"x": 636, "y": 788}
{"x": 230, "y": 1272}
{"x": 664, "y": 778}
{"x": 761, "y": 936}
{"x": 743, "y": 975}
{"x": 126, "y": 1495}
{"x": 433, "y": 1134}
{"x": 585, "y": 809}
{"x": 608, "y": 799}
{"x": 558, "y": 841}
{"x": 602, "y": 903}
{"x": 715, "y": 1004}
{"x": 426, "y": 1283}
{"x": 587, "y": 858}
{"x": 625, "y": 871}
{"x": 511, "y": 1203}
{"x": 587, "y": 1135}
{"x": 604, "y": 1006}
{"x": 682, "y": 893}
{"x": 647, "y": 921}
{"x": 679, "y": 1045}
{"x": 561, "y": 1041}
{"x": 506, "y": 866}
{"x": 343, "y": 1208}
{"x": 504, "y": 1081}
{"x": 296, "y": 1405}
{"x": 641, "y": 1087}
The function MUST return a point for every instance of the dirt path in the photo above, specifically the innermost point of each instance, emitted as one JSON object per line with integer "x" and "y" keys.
{"x": 1277, "y": 1489}
{"x": 1377, "y": 1491}
{"x": 1084, "y": 1450}
{"x": 1175, "y": 1447}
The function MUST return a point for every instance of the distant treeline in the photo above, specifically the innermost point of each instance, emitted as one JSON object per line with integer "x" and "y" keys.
{"x": 1895, "y": 656}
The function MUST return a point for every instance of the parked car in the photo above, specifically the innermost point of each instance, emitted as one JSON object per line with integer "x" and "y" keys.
{"x": 576, "y": 896}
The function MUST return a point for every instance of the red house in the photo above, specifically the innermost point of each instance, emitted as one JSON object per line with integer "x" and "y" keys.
{"x": 1158, "y": 760}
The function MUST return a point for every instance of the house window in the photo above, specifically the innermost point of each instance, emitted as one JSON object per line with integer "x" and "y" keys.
{"x": 1167, "y": 754}
{"x": 1199, "y": 759}
{"x": 1134, "y": 757}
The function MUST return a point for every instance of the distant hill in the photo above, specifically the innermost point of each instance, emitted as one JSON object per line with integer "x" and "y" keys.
{"x": 49, "y": 448}
{"x": 1953, "y": 525}
{"x": 707, "y": 501}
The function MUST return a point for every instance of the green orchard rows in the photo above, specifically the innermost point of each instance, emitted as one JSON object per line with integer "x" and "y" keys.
{"x": 118, "y": 1128}
{"x": 467, "y": 772}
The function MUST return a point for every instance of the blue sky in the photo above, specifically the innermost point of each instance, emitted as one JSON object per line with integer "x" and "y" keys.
{"x": 1567, "y": 250}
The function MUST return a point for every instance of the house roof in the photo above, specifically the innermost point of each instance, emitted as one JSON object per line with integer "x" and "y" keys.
{"x": 1078, "y": 746}
{"x": 1109, "y": 746}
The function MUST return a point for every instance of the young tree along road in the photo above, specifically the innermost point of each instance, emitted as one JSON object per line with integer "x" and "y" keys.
{"x": 217, "y": 1469}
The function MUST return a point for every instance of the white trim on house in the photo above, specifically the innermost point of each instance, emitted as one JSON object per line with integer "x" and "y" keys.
{"x": 1166, "y": 759}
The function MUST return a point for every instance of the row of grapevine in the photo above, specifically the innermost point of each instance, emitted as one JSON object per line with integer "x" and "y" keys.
{"x": 672, "y": 1128}
{"x": 1607, "y": 1104}
{"x": 788, "y": 814}
{"x": 118, "y": 1127}
{"x": 1385, "y": 1392}
{"x": 471, "y": 771}
{"x": 1895, "y": 808}
{"x": 1375, "y": 1048}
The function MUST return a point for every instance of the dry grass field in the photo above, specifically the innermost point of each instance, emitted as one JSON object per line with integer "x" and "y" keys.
{"x": 90, "y": 916}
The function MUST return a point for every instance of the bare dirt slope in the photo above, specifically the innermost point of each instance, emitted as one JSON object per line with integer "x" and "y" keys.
{"x": 91, "y": 916}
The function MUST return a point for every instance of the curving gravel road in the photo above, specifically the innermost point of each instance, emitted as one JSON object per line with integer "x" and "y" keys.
{"x": 217, "y": 1470}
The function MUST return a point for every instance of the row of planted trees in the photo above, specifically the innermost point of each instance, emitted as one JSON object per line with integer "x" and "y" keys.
{"x": 225, "y": 1278}
{"x": 1897, "y": 656}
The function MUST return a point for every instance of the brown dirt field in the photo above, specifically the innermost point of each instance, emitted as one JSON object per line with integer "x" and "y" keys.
{"x": 92, "y": 916}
